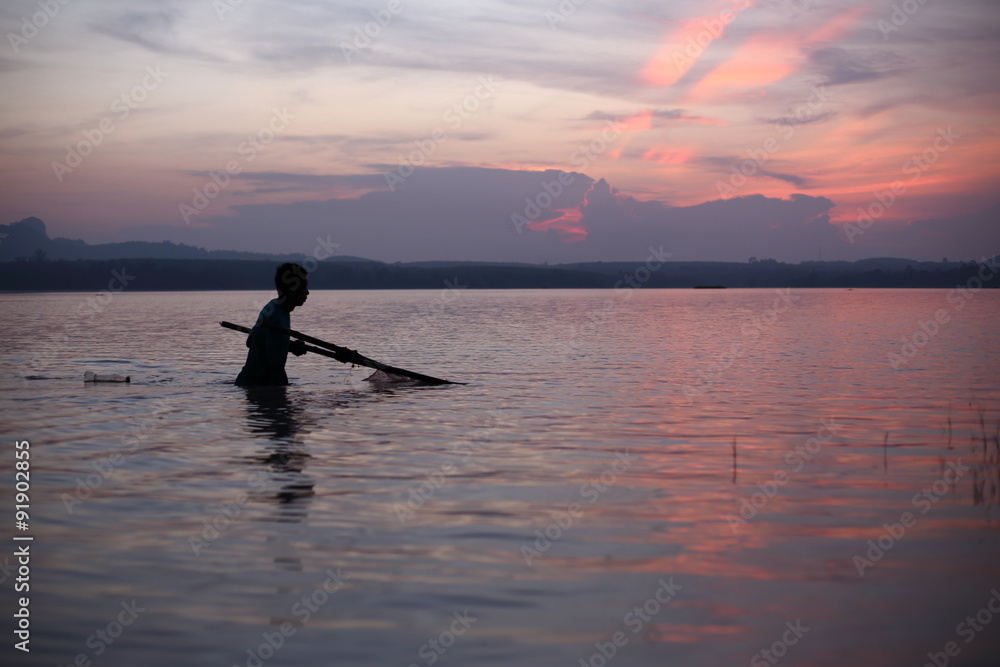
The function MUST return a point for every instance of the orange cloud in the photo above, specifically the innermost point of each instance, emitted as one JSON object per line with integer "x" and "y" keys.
{"x": 760, "y": 60}
{"x": 840, "y": 25}
{"x": 567, "y": 225}
{"x": 616, "y": 152}
{"x": 678, "y": 633}
{"x": 637, "y": 122}
{"x": 702, "y": 120}
{"x": 769, "y": 56}
{"x": 667, "y": 155}
{"x": 682, "y": 46}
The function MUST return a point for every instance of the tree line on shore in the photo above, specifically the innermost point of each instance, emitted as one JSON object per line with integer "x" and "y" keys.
{"x": 40, "y": 274}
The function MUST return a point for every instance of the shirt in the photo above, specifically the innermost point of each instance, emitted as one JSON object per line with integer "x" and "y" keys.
{"x": 268, "y": 351}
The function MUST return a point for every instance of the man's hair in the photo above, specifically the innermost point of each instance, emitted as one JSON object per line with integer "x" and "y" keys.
{"x": 289, "y": 277}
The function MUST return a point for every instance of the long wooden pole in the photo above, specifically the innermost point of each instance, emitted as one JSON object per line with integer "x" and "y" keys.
{"x": 342, "y": 354}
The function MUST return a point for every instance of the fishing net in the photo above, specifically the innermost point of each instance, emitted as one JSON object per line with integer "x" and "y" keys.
{"x": 382, "y": 377}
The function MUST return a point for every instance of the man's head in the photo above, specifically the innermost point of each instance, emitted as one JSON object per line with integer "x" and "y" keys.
{"x": 292, "y": 283}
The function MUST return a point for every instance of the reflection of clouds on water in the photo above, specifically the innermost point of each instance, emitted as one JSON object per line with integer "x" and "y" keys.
{"x": 985, "y": 470}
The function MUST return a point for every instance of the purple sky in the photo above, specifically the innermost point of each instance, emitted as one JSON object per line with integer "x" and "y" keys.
{"x": 508, "y": 130}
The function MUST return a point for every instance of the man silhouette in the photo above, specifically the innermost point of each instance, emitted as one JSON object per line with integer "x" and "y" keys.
{"x": 265, "y": 364}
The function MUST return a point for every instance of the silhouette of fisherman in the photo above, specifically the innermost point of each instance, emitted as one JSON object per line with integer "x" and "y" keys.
{"x": 265, "y": 364}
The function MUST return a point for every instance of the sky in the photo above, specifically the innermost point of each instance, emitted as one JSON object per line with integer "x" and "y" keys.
{"x": 559, "y": 131}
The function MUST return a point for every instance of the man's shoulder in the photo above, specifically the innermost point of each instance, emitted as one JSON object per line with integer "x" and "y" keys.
{"x": 274, "y": 314}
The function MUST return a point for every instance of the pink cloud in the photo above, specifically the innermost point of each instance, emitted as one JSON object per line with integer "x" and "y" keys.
{"x": 667, "y": 155}
{"x": 684, "y": 44}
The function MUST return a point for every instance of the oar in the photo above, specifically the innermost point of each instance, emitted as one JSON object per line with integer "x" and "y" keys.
{"x": 342, "y": 354}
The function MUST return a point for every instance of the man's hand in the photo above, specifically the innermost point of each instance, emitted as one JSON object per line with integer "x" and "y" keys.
{"x": 297, "y": 347}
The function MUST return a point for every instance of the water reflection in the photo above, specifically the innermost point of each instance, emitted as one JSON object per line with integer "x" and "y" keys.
{"x": 986, "y": 471}
{"x": 366, "y": 450}
{"x": 283, "y": 420}
{"x": 271, "y": 412}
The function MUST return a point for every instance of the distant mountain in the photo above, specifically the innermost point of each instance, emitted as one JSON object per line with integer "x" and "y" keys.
{"x": 31, "y": 261}
{"x": 29, "y": 239}
{"x": 230, "y": 274}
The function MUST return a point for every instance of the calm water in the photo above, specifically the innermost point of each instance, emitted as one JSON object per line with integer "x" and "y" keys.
{"x": 582, "y": 493}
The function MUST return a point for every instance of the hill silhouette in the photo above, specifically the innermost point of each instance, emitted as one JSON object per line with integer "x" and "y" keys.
{"x": 31, "y": 261}
{"x": 29, "y": 239}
